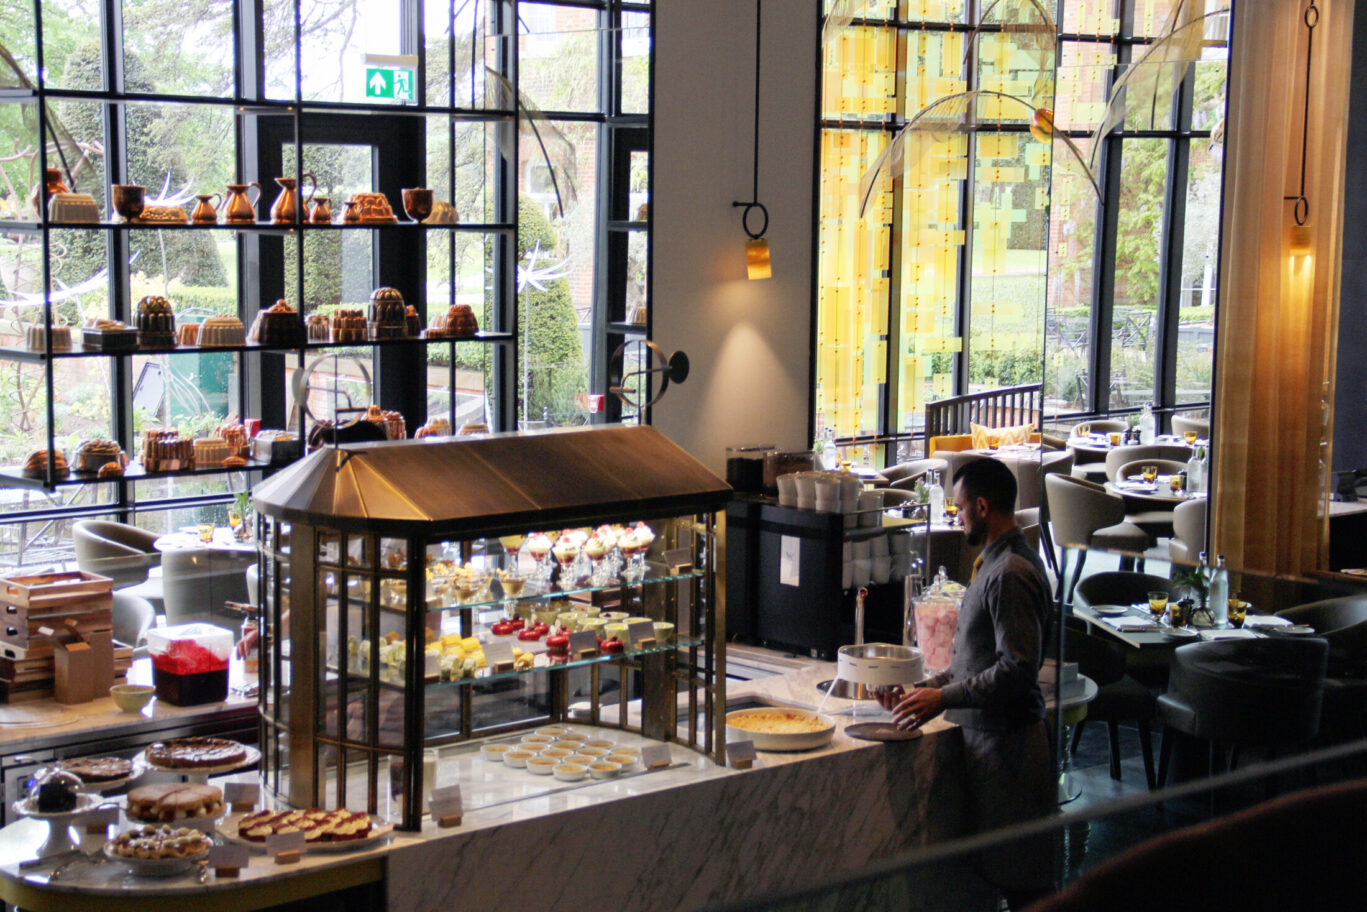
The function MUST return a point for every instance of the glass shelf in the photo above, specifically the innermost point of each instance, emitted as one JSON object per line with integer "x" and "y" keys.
{"x": 628, "y": 329}
{"x": 655, "y": 574}
{"x": 391, "y": 679}
{"x": 13, "y": 476}
{"x": 17, "y": 353}
{"x": 15, "y": 225}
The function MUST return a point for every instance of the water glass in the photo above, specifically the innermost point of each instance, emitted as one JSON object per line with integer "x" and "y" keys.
{"x": 206, "y": 532}
{"x": 1158, "y": 603}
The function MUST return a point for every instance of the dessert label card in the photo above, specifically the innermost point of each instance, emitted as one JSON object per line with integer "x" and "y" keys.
{"x": 446, "y": 802}
{"x": 581, "y": 641}
{"x": 789, "y": 556}
{"x": 205, "y": 825}
{"x": 498, "y": 652}
{"x": 639, "y": 633}
{"x": 280, "y": 843}
{"x": 679, "y": 559}
{"x": 655, "y": 756}
{"x": 242, "y": 792}
{"x": 431, "y": 665}
{"x": 740, "y": 753}
{"x": 104, "y": 817}
{"x": 229, "y": 855}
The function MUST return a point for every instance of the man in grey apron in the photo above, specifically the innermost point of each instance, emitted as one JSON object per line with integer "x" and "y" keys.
{"x": 992, "y": 687}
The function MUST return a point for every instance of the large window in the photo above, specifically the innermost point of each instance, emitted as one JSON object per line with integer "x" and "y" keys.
{"x": 985, "y": 257}
{"x": 513, "y": 117}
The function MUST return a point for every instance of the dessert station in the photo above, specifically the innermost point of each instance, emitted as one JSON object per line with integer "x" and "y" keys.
{"x": 475, "y": 654}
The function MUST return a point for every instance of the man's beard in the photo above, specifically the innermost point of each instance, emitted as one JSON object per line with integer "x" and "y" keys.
{"x": 976, "y": 534}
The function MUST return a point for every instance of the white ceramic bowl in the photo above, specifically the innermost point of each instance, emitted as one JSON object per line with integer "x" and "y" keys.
{"x": 538, "y": 738}
{"x": 600, "y": 742}
{"x": 571, "y": 772}
{"x": 541, "y": 766}
{"x": 593, "y": 752}
{"x": 494, "y": 752}
{"x": 517, "y": 759}
{"x": 781, "y": 741}
{"x": 550, "y": 731}
{"x": 557, "y": 753}
{"x": 604, "y": 769}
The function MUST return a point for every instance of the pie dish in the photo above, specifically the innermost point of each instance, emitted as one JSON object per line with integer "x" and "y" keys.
{"x": 195, "y": 753}
{"x": 780, "y": 728}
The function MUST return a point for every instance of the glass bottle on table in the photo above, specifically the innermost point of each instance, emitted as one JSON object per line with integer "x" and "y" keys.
{"x": 1219, "y": 592}
{"x": 937, "y": 497}
{"x": 1148, "y": 425}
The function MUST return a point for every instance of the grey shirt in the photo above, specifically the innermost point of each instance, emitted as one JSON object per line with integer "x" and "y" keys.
{"x": 993, "y": 680}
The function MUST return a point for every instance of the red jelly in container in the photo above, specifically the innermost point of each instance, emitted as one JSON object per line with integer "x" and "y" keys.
{"x": 190, "y": 663}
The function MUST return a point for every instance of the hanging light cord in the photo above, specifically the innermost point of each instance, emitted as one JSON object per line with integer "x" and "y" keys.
{"x": 754, "y": 202}
{"x": 1301, "y": 211}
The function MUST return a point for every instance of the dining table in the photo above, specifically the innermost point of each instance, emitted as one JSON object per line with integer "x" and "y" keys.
{"x": 188, "y": 539}
{"x": 1135, "y": 626}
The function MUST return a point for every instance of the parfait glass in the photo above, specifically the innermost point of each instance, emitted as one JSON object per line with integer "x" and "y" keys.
{"x": 512, "y": 544}
{"x": 596, "y": 550}
{"x": 566, "y": 552}
{"x": 539, "y": 545}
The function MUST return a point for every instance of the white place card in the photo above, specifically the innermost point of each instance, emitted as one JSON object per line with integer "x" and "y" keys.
{"x": 281, "y": 843}
{"x": 99, "y": 819}
{"x": 640, "y": 632}
{"x": 740, "y": 754}
{"x": 242, "y": 792}
{"x": 498, "y": 652}
{"x": 789, "y": 559}
{"x": 431, "y": 667}
{"x": 581, "y": 641}
{"x": 655, "y": 756}
{"x": 446, "y": 803}
{"x": 229, "y": 855}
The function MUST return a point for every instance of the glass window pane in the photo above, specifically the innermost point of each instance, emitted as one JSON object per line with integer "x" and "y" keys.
{"x": 175, "y": 48}
{"x": 177, "y": 151}
{"x": 558, "y": 57}
{"x": 1006, "y": 316}
{"x": 635, "y": 43}
{"x": 859, "y": 73}
{"x": 1072, "y": 236}
{"x": 457, "y": 76}
{"x": 1083, "y": 76}
{"x": 71, "y": 46}
{"x": 1134, "y": 341}
{"x": 1090, "y": 17}
{"x": 1200, "y": 258}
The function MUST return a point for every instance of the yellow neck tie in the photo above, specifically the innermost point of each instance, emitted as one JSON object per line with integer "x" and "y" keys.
{"x": 977, "y": 562}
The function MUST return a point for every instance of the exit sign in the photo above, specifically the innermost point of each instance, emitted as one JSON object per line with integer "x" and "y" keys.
{"x": 390, "y": 76}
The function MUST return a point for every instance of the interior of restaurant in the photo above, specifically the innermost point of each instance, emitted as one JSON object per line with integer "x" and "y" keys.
{"x": 689, "y": 313}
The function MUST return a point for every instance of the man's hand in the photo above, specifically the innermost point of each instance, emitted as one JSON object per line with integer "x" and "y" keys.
{"x": 889, "y": 697}
{"x": 917, "y": 708}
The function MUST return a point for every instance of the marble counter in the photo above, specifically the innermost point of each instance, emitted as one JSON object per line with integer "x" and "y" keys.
{"x": 680, "y": 838}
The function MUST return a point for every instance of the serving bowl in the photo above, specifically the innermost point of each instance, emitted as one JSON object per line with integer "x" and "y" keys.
{"x": 780, "y": 728}
{"x": 131, "y": 698}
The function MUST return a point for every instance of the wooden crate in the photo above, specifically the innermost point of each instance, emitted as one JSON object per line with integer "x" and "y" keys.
{"x": 29, "y": 603}
{"x": 25, "y": 642}
{"x": 48, "y": 589}
{"x": 25, "y": 671}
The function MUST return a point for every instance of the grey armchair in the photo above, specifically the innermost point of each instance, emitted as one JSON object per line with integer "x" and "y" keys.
{"x": 904, "y": 475}
{"x": 122, "y": 552}
{"x": 1188, "y": 532}
{"x": 1086, "y": 515}
{"x": 1123, "y": 455}
{"x": 133, "y": 617}
{"x": 1182, "y": 425}
{"x": 198, "y": 582}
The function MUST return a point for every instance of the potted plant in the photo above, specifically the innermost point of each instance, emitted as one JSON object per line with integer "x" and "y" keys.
{"x": 1197, "y": 586}
{"x": 243, "y": 513}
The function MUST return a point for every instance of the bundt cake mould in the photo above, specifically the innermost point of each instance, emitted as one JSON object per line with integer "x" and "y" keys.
{"x": 277, "y": 326}
{"x": 221, "y": 330}
{"x": 36, "y": 334}
{"x": 387, "y": 316}
{"x": 155, "y": 321}
{"x": 349, "y": 326}
{"x": 459, "y": 322}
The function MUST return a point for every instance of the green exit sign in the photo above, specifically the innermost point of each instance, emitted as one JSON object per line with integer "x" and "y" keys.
{"x": 391, "y": 76}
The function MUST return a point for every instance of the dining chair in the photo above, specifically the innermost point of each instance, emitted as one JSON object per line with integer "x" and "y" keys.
{"x": 1122, "y": 588}
{"x": 197, "y": 582}
{"x": 1141, "y": 452}
{"x": 1119, "y": 697}
{"x": 905, "y": 475}
{"x": 1037, "y": 514}
{"x": 1265, "y": 692}
{"x": 1104, "y": 425}
{"x": 1342, "y": 622}
{"x": 1086, "y": 515}
{"x": 1181, "y": 424}
{"x": 122, "y": 552}
{"x": 132, "y": 618}
{"x": 1188, "y": 532}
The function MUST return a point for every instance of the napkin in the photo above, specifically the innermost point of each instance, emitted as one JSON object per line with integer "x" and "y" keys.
{"x": 1228, "y": 634}
{"x": 1129, "y": 623}
{"x": 1265, "y": 620}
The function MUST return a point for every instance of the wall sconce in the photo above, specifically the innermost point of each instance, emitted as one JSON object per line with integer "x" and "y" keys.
{"x": 757, "y": 264}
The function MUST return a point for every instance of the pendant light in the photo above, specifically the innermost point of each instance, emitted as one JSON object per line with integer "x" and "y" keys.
{"x": 757, "y": 265}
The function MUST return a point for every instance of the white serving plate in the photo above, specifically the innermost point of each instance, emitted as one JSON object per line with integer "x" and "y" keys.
{"x": 774, "y": 741}
{"x": 379, "y": 830}
{"x": 155, "y": 867}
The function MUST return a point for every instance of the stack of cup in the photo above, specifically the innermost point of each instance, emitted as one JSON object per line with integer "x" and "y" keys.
{"x": 828, "y": 492}
{"x": 871, "y": 508}
{"x": 880, "y": 566}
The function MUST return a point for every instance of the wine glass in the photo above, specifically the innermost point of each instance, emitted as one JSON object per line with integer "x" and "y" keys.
{"x": 1158, "y": 604}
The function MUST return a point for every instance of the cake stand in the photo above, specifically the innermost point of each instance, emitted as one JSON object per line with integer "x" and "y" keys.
{"x": 58, "y": 840}
{"x": 200, "y": 774}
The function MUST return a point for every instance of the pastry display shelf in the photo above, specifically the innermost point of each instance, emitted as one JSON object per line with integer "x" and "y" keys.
{"x": 18, "y": 353}
{"x": 10, "y": 225}
{"x": 656, "y": 574}
{"x": 392, "y": 677}
{"x": 628, "y": 329}
{"x": 13, "y": 476}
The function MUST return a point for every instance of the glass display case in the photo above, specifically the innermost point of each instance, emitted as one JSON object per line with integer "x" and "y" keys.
{"x": 421, "y": 593}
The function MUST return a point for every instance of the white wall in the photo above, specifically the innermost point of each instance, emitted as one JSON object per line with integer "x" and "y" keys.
{"x": 749, "y": 342}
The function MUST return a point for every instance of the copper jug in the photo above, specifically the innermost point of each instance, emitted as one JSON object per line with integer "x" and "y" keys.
{"x": 237, "y": 208}
{"x": 321, "y": 214}
{"x": 51, "y": 184}
{"x": 204, "y": 213}
{"x": 286, "y": 208}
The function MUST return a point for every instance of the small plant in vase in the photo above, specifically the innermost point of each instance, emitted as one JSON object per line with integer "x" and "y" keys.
{"x": 241, "y": 514}
{"x": 1197, "y": 586}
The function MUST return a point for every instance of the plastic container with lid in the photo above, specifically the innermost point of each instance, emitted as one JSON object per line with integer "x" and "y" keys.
{"x": 190, "y": 663}
{"x": 745, "y": 467}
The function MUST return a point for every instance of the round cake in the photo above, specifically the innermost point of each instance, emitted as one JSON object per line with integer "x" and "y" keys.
{"x": 61, "y": 338}
{"x": 167, "y": 801}
{"x": 221, "y": 330}
{"x": 211, "y": 451}
{"x": 99, "y": 769}
{"x": 110, "y": 470}
{"x": 155, "y": 321}
{"x": 92, "y": 454}
{"x": 192, "y": 753}
{"x": 35, "y": 466}
{"x": 459, "y": 322}
{"x": 277, "y": 326}
{"x": 319, "y": 327}
{"x": 349, "y": 326}
{"x": 435, "y": 427}
{"x": 188, "y": 334}
{"x": 387, "y": 317}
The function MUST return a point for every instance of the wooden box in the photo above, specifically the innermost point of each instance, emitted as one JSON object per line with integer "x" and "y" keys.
{"x": 29, "y": 603}
{"x": 83, "y": 666}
